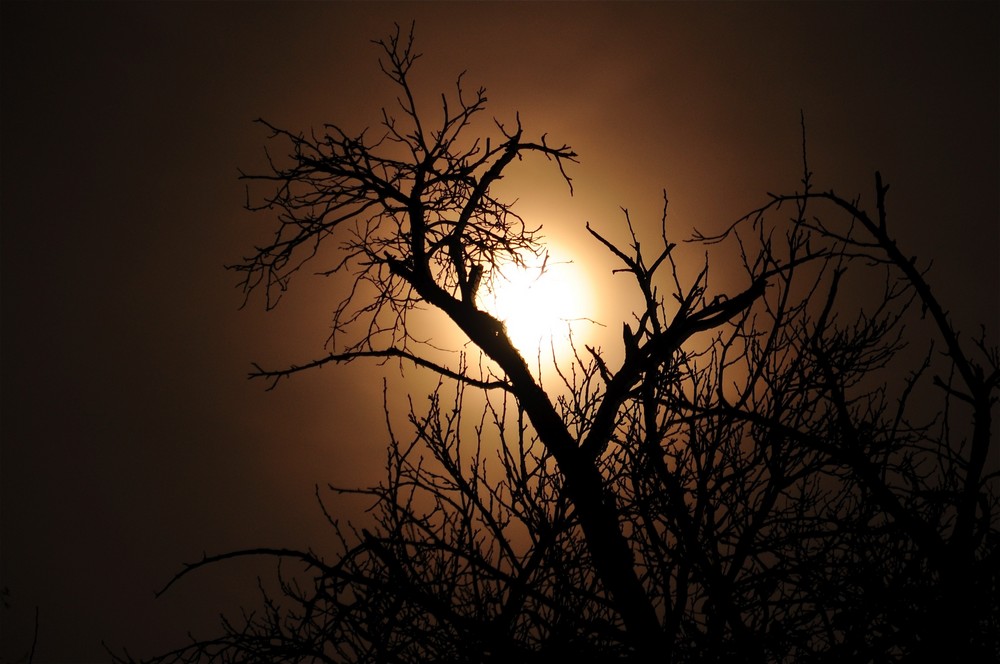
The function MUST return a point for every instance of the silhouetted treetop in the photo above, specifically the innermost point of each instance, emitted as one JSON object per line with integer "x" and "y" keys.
{"x": 802, "y": 470}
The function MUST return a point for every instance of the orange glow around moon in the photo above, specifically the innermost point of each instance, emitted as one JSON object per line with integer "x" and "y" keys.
{"x": 539, "y": 304}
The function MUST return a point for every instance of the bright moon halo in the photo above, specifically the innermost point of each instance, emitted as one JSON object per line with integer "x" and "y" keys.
{"x": 537, "y": 303}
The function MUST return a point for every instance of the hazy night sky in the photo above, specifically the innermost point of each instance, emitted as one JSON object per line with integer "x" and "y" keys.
{"x": 131, "y": 439}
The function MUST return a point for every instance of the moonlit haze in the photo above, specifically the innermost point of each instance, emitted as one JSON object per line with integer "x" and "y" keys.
{"x": 541, "y": 304}
{"x": 132, "y": 441}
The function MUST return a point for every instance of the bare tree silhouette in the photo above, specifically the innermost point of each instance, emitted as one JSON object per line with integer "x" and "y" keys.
{"x": 766, "y": 477}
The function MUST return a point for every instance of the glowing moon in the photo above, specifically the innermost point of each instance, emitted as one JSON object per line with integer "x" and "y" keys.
{"x": 537, "y": 303}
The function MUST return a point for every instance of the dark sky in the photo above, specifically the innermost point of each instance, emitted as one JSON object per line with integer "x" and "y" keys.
{"x": 131, "y": 439}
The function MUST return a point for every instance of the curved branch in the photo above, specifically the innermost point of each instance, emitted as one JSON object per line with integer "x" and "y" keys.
{"x": 275, "y": 375}
{"x": 308, "y": 558}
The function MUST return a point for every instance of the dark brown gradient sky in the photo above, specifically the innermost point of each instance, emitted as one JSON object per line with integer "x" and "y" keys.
{"x": 131, "y": 440}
